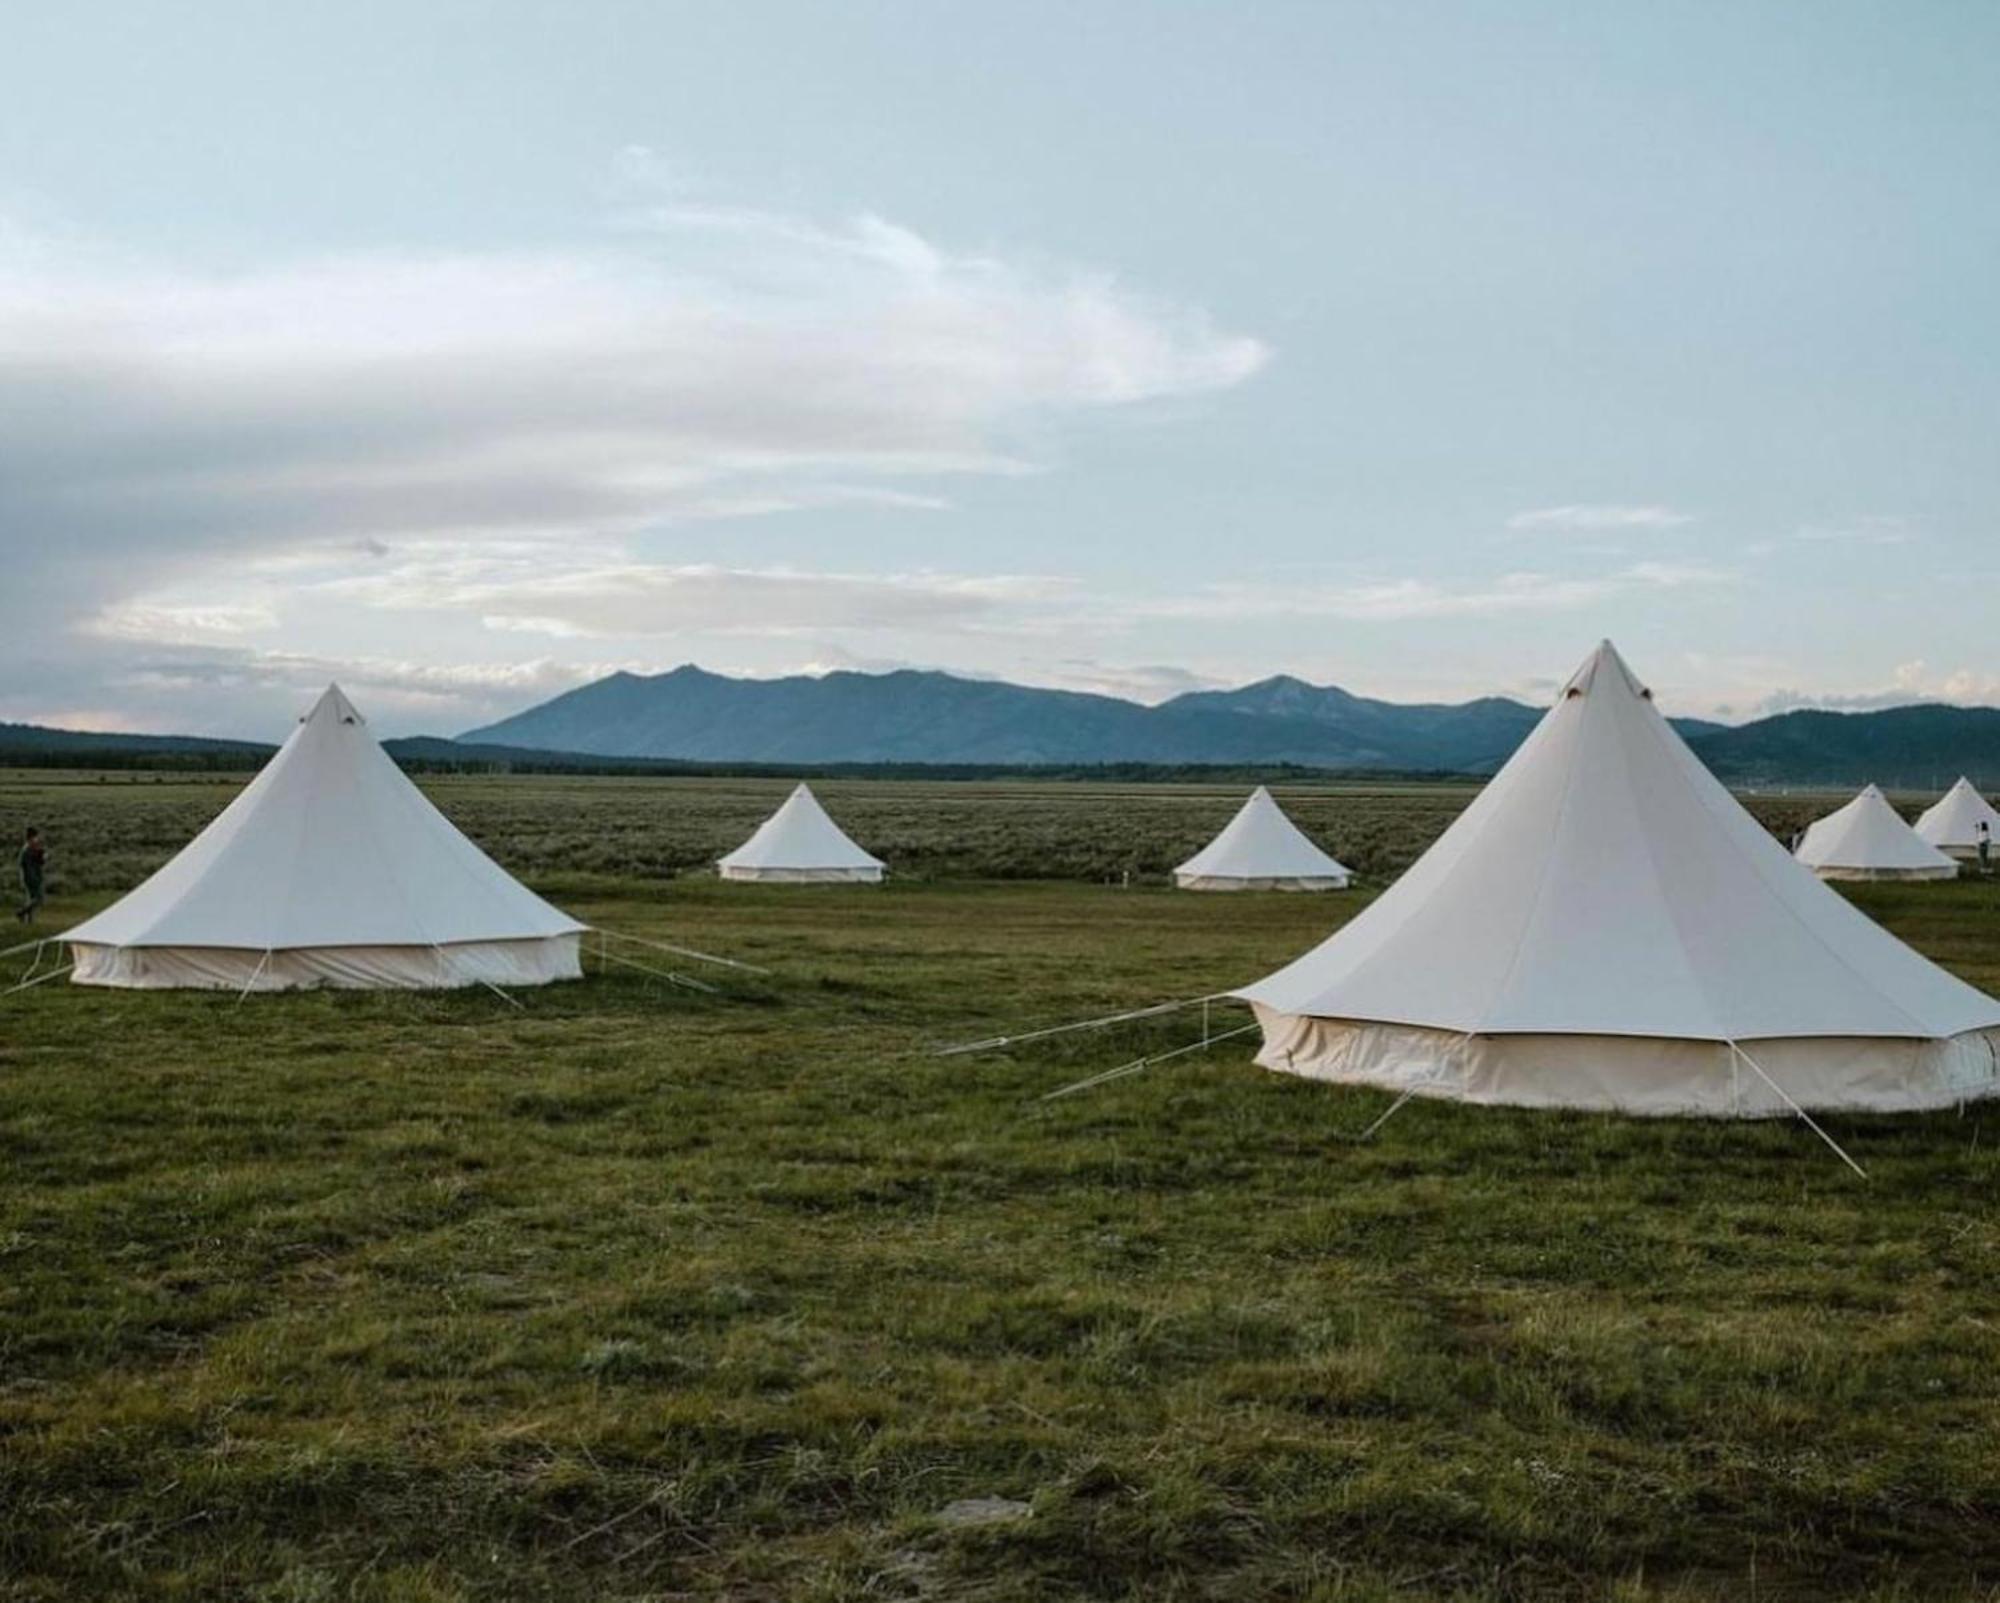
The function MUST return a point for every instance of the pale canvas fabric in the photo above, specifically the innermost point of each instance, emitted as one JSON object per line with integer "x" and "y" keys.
{"x": 1951, "y": 824}
{"x": 1639, "y": 1073}
{"x": 335, "y": 865}
{"x": 1261, "y": 849}
{"x": 800, "y": 845}
{"x": 1867, "y": 839}
{"x": 374, "y": 968}
{"x": 1605, "y": 891}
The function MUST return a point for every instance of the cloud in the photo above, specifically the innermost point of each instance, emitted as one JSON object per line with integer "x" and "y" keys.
{"x": 186, "y": 688}
{"x": 1597, "y": 518}
{"x": 1398, "y": 600}
{"x": 1887, "y": 529}
{"x": 137, "y": 620}
{"x": 518, "y": 587}
{"x": 1150, "y": 683}
{"x": 1911, "y": 683}
{"x": 181, "y": 416}
{"x": 182, "y": 448}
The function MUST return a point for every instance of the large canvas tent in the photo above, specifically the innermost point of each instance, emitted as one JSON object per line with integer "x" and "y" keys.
{"x": 330, "y": 868}
{"x": 1604, "y": 927}
{"x": 800, "y": 845}
{"x": 1867, "y": 839}
{"x": 1261, "y": 849}
{"x": 1952, "y": 823}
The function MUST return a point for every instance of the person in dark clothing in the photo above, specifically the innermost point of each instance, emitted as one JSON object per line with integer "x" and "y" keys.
{"x": 33, "y": 863}
{"x": 1985, "y": 848}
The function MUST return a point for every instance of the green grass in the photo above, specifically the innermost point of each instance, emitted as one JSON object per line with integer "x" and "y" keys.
{"x": 637, "y": 1293}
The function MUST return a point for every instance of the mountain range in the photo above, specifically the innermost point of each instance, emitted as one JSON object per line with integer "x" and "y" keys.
{"x": 692, "y": 718}
{"x": 927, "y": 717}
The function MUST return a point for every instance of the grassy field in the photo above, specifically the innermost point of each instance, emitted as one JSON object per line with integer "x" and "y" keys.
{"x": 636, "y": 1293}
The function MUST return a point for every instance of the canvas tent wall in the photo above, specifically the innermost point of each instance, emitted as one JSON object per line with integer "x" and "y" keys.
{"x": 1261, "y": 849}
{"x": 1951, "y": 824}
{"x": 330, "y": 868}
{"x": 1604, "y": 927}
{"x": 1867, "y": 839}
{"x": 800, "y": 845}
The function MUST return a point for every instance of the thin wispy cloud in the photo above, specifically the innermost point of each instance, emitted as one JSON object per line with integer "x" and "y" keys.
{"x": 1405, "y": 599}
{"x": 1597, "y": 519}
{"x": 1868, "y": 531}
{"x": 634, "y": 600}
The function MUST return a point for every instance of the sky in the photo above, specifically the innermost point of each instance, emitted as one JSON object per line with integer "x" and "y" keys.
{"x": 466, "y": 352}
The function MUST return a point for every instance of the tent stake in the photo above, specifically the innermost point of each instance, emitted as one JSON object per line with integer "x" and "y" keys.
{"x": 1811, "y": 1123}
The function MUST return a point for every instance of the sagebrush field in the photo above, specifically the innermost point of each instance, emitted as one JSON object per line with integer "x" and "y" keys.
{"x": 641, "y": 1293}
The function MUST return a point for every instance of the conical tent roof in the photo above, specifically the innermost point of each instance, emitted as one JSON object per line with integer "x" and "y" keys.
{"x": 1868, "y": 839}
{"x": 1261, "y": 843}
{"x": 1605, "y": 884}
{"x": 1952, "y": 823}
{"x": 329, "y": 846}
{"x": 800, "y": 838}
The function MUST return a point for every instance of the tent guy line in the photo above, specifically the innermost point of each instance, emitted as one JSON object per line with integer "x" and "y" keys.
{"x": 1811, "y": 1123}
{"x": 993, "y": 1043}
{"x": 1137, "y": 1064}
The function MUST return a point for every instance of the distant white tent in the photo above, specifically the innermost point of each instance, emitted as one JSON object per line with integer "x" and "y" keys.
{"x": 1952, "y": 823}
{"x": 1867, "y": 839}
{"x": 330, "y": 868}
{"x": 1261, "y": 849}
{"x": 800, "y": 845}
{"x": 1604, "y": 927}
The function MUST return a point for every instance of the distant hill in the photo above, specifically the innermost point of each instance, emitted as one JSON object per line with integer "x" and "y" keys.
{"x": 1909, "y": 748}
{"x": 36, "y": 746}
{"x": 36, "y": 737}
{"x": 921, "y": 717}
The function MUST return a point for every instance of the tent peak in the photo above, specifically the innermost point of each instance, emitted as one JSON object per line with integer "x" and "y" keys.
{"x": 334, "y": 706}
{"x": 1604, "y": 664}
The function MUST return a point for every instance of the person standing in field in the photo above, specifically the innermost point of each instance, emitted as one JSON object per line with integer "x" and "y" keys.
{"x": 33, "y": 863}
{"x": 1985, "y": 848}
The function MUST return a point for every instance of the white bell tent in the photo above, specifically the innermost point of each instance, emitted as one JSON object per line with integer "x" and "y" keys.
{"x": 331, "y": 868}
{"x": 1867, "y": 839}
{"x": 1605, "y": 927}
{"x": 1951, "y": 824}
{"x": 800, "y": 845}
{"x": 1261, "y": 849}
